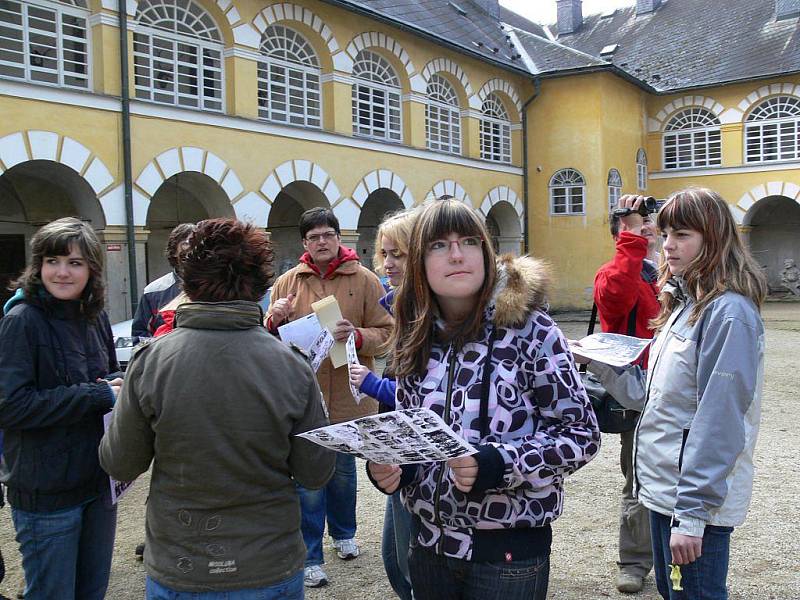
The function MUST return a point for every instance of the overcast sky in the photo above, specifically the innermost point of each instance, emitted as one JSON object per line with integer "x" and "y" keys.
{"x": 544, "y": 11}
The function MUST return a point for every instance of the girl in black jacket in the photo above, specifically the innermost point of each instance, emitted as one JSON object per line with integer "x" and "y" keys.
{"x": 56, "y": 353}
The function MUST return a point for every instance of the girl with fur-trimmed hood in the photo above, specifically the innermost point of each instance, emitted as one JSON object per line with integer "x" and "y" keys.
{"x": 473, "y": 343}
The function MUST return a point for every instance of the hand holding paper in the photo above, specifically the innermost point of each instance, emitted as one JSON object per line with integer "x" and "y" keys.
{"x": 610, "y": 348}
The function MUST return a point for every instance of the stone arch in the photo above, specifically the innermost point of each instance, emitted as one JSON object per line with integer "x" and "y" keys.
{"x": 445, "y": 65}
{"x": 24, "y": 146}
{"x": 503, "y": 193}
{"x": 348, "y": 210}
{"x": 743, "y": 210}
{"x": 178, "y": 160}
{"x": 662, "y": 117}
{"x": 285, "y": 174}
{"x": 375, "y": 39}
{"x": 756, "y": 96}
{"x": 505, "y": 88}
{"x": 287, "y": 11}
{"x": 448, "y": 187}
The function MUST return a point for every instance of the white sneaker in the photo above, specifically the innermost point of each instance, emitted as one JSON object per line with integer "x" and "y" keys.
{"x": 314, "y": 576}
{"x": 346, "y": 549}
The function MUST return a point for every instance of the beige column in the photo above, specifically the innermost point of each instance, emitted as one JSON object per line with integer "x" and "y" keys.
{"x": 241, "y": 88}
{"x": 337, "y": 103}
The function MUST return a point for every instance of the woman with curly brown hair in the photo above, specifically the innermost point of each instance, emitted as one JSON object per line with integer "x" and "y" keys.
{"x": 56, "y": 349}
{"x": 215, "y": 405}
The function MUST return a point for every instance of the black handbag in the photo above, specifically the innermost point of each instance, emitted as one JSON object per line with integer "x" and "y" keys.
{"x": 612, "y": 417}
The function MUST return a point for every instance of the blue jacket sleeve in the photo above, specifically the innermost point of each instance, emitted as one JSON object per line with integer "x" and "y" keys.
{"x": 141, "y": 320}
{"x": 383, "y": 390}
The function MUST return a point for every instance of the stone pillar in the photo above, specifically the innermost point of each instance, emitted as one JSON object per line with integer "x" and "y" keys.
{"x": 744, "y": 231}
{"x": 414, "y": 134}
{"x": 117, "y": 273}
{"x": 471, "y": 134}
{"x": 241, "y": 87}
{"x": 337, "y": 102}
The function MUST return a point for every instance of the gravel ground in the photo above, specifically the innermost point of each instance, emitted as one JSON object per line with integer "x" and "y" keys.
{"x": 765, "y": 550}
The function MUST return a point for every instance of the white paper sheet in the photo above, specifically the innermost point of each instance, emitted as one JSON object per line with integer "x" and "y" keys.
{"x": 118, "y": 488}
{"x": 352, "y": 359}
{"x": 414, "y": 435}
{"x": 302, "y": 331}
{"x": 611, "y": 348}
{"x": 319, "y": 349}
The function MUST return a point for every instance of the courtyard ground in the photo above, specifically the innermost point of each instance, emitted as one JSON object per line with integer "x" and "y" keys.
{"x": 765, "y": 551}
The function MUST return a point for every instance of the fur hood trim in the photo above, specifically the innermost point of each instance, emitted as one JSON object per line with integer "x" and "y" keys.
{"x": 523, "y": 286}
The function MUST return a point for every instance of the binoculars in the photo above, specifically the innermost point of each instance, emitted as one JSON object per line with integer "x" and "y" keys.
{"x": 648, "y": 207}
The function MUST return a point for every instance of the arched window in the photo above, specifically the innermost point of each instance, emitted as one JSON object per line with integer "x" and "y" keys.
{"x": 288, "y": 79}
{"x": 772, "y": 130}
{"x": 495, "y": 130}
{"x": 692, "y": 139}
{"x": 177, "y": 53}
{"x": 641, "y": 169}
{"x": 376, "y": 98}
{"x": 567, "y": 192}
{"x": 442, "y": 117}
{"x": 614, "y": 188}
{"x": 46, "y": 42}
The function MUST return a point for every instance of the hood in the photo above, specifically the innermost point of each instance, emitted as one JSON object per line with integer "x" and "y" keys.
{"x": 346, "y": 255}
{"x": 18, "y": 297}
{"x": 523, "y": 285}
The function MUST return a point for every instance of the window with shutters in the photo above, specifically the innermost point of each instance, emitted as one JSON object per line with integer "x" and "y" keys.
{"x": 288, "y": 79}
{"x": 45, "y": 42}
{"x": 772, "y": 130}
{"x": 376, "y": 98}
{"x": 567, "y": 193}
{"x": 692, "y": 139}
{"x": 177, "y": 53}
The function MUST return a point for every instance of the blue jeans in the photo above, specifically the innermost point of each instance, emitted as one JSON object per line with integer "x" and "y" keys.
{"x": 394, "y": 546}
{"x": 704, "y": 579}
{"x": 66, "y": 554}
{"x": 336, "y": 501}
{"x": 436, "y": 577}
{"x": 288, "y": 589}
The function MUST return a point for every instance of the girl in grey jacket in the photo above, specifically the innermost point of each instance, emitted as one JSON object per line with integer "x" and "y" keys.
{"x": 693, "y": 453}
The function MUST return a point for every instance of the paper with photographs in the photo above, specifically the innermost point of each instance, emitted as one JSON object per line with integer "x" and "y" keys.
{"x": 413, "y": 435}
{"x": 612, "y": 349}
{"x": 352, "y": 359}
{"x": 118, "y": 488}
{"x": 320, "y": 348}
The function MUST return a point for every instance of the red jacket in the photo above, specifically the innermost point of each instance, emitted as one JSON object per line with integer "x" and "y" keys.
{"x": 618, "y": 286}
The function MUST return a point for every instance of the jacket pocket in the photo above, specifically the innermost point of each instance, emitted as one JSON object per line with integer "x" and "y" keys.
{"x": 684, "y": 436}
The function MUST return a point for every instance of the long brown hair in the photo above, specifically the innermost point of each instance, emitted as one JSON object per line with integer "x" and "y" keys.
{"x": 415, "y": 304}
{"x": 57, "y": 238}
{"x": 723, "y": 263}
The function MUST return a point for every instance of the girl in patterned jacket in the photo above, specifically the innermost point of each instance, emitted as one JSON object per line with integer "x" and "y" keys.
{"x": 472, "y": 343}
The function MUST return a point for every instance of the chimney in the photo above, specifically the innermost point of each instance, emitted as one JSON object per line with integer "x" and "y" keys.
{"x": 570, "y": 16}
{"x": 786, "y": 9}
{"x": 647, "y": 6}
{"x": 490, "y": 6}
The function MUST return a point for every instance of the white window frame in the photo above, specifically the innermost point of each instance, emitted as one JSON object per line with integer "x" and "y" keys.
{"x": 289, "y": 90}
{"x": 376, "y": 93}
{"x": 641, "y": 169}
{"x": 568, "y": 189}
{"x": 772, "y": 131}
{"x": 76, "y": 10}
{"x": 692, "y": 138}
{"x": 495, "y": 132}
{"x": 210, "y": 47}
{"x": 442, "y": 116}
{"x": 614, "y": 188}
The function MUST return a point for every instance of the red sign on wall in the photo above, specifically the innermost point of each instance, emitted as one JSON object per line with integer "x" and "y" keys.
{"x": 113, "y": 247}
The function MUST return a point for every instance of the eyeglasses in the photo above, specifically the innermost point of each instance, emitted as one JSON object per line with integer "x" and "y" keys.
{"x": 317, "y": 237}
{"x": 467, "y": 245}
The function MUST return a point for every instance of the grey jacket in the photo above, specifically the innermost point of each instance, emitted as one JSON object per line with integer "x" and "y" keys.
{"x": 216, "y": 404}
{"x": 693, "y": 453}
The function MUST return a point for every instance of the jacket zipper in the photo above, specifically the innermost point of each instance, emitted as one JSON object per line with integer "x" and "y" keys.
{"x": 646, "y": 400}
{"x": 437, "y": 496}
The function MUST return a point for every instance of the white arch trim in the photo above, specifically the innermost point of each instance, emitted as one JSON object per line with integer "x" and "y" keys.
{"x": 445, "y": 65}
{"x": 504, "y": 193}
{"x": 178, "y": 160}
{"x": 759, "y": 192}
{"x": 296, "y": 170}
{"x": 500, "y": 85}
{"x": 661, "y": 119}
{"x": 450, "y": 188}
{"x": 287, "y": 11}
{"x": 775, "y": 89}
{"x": 375, "y": 39}
{"x": 23, "y": 146}
{"x": 348, "y": 210}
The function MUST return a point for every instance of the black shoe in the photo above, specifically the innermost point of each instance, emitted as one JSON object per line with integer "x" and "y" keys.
{"x": 139, "y": 552}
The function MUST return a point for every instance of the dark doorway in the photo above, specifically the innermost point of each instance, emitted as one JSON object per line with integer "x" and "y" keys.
{"x": 12, "y": 262}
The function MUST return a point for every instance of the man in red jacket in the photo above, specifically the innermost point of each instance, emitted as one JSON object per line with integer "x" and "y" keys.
{"x": 625, "y": 284}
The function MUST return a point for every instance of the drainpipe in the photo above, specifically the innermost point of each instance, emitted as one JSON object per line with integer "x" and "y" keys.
{"x": 122, "y": 13}
{"x": 537, "y": 88}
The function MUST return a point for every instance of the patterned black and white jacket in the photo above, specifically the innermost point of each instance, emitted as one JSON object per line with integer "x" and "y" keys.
{"x": 539, "y": 427}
